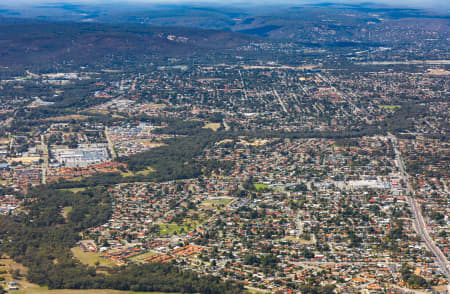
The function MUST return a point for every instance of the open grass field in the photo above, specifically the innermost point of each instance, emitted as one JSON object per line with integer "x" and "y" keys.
{"x": 65, "y": 211}
{"x": 75, "y": 190}
{"x": 141, "y": 257}
{"x": 25, "y": 160}
{"x": 389, "y": 107}
{"x": 257, "y": 142}
{"x": 127, "y": 173}
{"x": 171, "y": 229}
{"x": 209, "y": 203}
{"x": 68, "y": 118}
{"x": 251, "y": 291}
{"x": 144, "y": 172}
{"x": 261, "y": 186}
{"x": 212, "y": 126}
{"x": 156, "y": 105}
{"x": 90, "y": 258}
{"x": 299, "y": 240}
{"x": 190, "y": 223}
{"x": 76, "y": 179}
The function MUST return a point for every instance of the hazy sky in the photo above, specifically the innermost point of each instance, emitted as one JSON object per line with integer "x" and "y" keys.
{"x": 406, "y": 3}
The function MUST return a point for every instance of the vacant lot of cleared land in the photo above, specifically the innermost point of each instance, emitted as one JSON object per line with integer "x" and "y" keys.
{"x": 90, "y": 258}
{"x": 212, "y": 126}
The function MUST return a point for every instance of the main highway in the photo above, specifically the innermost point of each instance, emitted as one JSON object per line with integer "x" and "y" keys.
{"x": 419, "y": 222}
{"x": 45, "y": 162}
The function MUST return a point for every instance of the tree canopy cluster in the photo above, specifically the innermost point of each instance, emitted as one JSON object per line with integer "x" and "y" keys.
{"x": 42, "y": 238}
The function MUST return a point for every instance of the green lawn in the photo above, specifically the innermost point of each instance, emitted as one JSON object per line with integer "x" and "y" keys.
{"x": 127, "y": 174}
{"x": 146, "y": 171}
{"x": 389, "y": 107}
{"x": 171, "y": 229}
{"x": 261, "y": 187}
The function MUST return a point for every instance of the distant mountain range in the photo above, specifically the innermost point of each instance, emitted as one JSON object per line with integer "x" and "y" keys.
{"x": 81, "y": 33}
{"x": 31, "y": 42}
{"x": 279, "y": 21}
